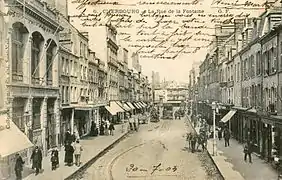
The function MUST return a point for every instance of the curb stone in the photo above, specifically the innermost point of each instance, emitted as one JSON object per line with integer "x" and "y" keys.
{"x": 210, "y": 156}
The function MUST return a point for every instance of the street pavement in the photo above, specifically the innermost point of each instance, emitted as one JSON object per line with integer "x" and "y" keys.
{"x": 230, "y": 162}
{"x": 92, "y": 146}
{"x": 156, "y": 152}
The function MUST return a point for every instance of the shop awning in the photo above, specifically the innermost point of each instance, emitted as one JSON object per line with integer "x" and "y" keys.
{"x": 13, "y": 139}
{"x": 116, "y": 106}
{"x": 144, "y": 104}
{"x": 130, "y": 105}
{"x": 126, "y": 106}
{"x": 111, "y": 110}
{"x": 140, "y": 104}
{"x": 228, "y": 116}
{"x": 136, "y": 105}
{"x": 122, "y": 106}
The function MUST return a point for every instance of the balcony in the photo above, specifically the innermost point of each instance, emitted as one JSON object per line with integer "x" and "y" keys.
{"x": 230, "y": 83}
{"x": 16, "y": 77}
{"x": 35, "y": 80}
{"x": 223, "y": 84}
{"x": 113, "y": 62}
{"x": 271, "y": 110}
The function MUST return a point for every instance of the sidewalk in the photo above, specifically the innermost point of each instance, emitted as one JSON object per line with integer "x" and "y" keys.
{"x": 234, "y": 157}
{"x": 92, "y": 147}
{"x": 231, "y": 164}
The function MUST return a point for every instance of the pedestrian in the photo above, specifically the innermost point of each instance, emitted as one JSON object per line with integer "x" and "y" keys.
{"x": 187, "y": 144}
{"x": 36, "y": 158}
{"x": 69, "y": 150}
{"x": 92, "y": 128}
{"x": 68, "y": 136}
{"x": 54, "y": 158}
{"x": 102, "y": 128}
{"x": 248, "y": 151}
{"x": 131, "y": 123}
{"x": 77, "y": 152}
{"x": 111, "y": 128}
{"x": 219, "y": 133}
{"x": 193, "y": 142}
{"x": 106, "y": 128}
{"x": 226, "y": 134}
{"x": 19, "y": 167}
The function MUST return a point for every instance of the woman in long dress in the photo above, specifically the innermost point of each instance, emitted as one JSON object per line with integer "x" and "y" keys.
{"x": 69, "y": 150}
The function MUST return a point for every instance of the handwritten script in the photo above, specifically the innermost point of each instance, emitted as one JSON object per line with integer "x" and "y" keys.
{"x": 180, "y": 27}
{"x": 153, "y": 170}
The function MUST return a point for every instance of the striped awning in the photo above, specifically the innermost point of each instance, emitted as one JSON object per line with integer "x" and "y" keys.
{"x": 130, "y": 105}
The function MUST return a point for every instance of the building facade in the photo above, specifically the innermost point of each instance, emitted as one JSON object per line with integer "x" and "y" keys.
{"x": 249, "y": 63}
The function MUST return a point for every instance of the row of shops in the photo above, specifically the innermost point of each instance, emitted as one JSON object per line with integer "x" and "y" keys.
{"x": 78, "y": 118}
{"x": 53, "y": 123}
{"x": 248, "y": 124}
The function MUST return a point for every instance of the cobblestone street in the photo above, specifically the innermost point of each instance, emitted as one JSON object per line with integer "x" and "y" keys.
{"x": 156, "y": 152}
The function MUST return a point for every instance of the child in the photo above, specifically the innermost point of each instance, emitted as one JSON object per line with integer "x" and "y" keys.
{"x": 54, "y": 161}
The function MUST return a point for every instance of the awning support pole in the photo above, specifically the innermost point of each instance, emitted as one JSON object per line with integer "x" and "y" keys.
{"x": 72, "y": 121}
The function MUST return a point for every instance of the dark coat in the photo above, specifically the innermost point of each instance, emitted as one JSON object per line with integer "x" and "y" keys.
{"x": 68, "y": 137}
{"x": 36, "y": 159}
{"x": 111, "y": 127}
{"x": 19, "y": 164}
{"x": 56, "y": 156}
{"x": 226, "y": 134}
{"x": 248, "y": 148}
{"x": 69, "y": 150}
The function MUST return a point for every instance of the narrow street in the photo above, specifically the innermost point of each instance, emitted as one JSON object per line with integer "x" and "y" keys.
{"x": 156, "y": 152}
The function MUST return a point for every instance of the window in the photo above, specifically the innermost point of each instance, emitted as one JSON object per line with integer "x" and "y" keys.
{"x": 71, "y": 68}
{"x": 258, "y": 63}
{"x": 63, "y": 65}
{"x": 252, "y": 66}
{"x": 280, "y": 56}
{"x": 274, "y": 63}
{"x": 37, "y": 40}
{"x": 1, "y": 35}
{"x": 75, "y": 69}
{"x": 81, "y": 48}
{"x": 63, "y": 94}
{"x": 18, "y": 38}
{"x": 36, "y": 113}
{"x": 81, "y": 72}
{"x": 67, "y": 94}
{"x": 49, "y": 62}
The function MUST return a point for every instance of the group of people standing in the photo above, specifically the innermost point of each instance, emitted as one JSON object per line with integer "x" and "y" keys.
{"x": 106, "y": 128}
{"x": 193, "y": 139}
{"x": 73, "y": 148}
{"x": 36, "y": 159}
{"x": 226, "y": 135}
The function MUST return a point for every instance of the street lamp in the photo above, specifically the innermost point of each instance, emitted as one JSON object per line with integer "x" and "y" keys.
{"x": 215, "y": 109}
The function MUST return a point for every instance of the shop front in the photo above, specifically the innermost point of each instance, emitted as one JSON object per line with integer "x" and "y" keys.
{"x": 66, "y": 116}
{"x": 252, "y": 129}
{"x": 19, "y": 144}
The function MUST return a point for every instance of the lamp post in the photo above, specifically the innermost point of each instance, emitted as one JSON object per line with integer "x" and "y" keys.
{"x": 214, "y": 108}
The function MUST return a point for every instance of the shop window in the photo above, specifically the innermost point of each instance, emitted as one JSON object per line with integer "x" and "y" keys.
{"x": 19, "y": 35}
{"x": 36, "y": 109}
{"x": 18, "y": 113}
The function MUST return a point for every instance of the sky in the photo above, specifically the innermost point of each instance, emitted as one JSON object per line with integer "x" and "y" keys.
{"x": 170, "y": 69}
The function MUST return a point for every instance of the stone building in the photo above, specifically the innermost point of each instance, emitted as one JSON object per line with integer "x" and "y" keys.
{"x": 252, "y": 81}
{"x": 32, "y": 64}
{"x": 34, "y": 40}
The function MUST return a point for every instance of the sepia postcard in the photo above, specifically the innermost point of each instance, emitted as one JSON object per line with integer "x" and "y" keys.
{"x": 140, "y": 90}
